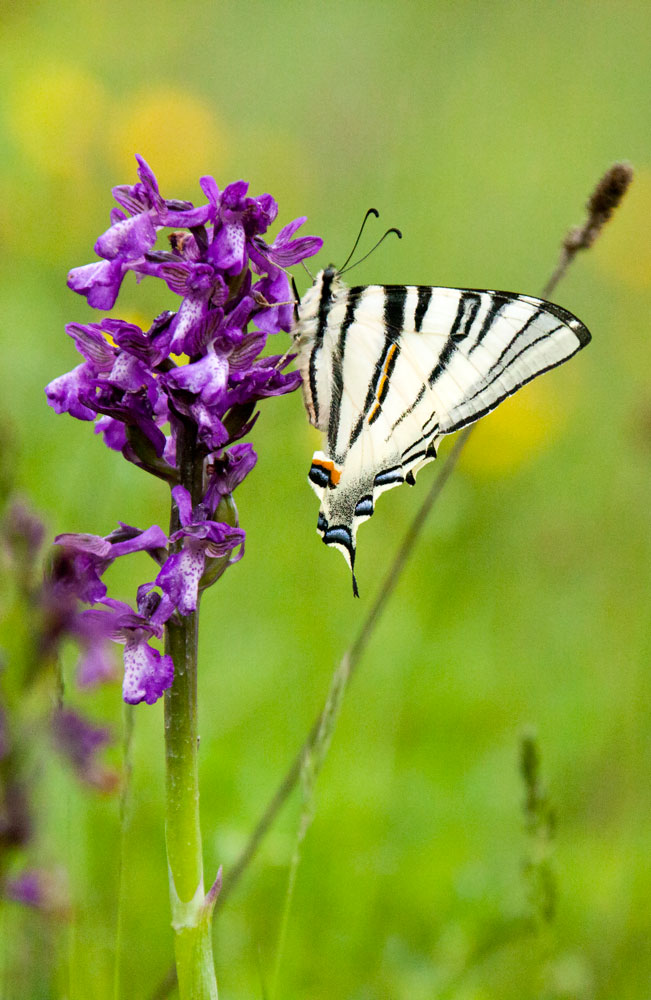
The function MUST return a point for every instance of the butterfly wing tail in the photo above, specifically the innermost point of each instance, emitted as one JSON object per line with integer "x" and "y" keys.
{"x": 340, "y": 512}
{"x": 342, "y": 537}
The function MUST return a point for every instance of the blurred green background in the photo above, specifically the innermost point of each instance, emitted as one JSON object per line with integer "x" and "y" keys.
{"x": 479, "y": 129}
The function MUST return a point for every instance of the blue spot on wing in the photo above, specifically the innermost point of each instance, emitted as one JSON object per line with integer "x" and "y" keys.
{"x": 319, "y": 476}
{"x": 339, "y": 536}
{"x": 364, "y": 507}
{"x": 389, "y": 476}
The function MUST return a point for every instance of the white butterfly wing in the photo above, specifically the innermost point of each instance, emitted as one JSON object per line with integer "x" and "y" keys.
{"x": 391, "y": 369}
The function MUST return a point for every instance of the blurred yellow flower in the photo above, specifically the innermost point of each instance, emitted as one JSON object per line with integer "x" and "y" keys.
{"x": 176, "y": 132}
{"x": 56, "y": 116}
{"x": 520, "y": 427}
{"x": 624, "y": 248}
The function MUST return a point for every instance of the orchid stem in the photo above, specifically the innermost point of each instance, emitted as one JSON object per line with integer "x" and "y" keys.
{"x": 191, "y": 914}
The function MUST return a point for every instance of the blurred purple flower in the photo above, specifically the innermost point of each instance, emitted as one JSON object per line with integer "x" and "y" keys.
{"x": 75, "y": 576}
{"x": 23, "y": 533}
{"x": 40, "y": 890}
{"x": 28, "y": 888}
{"x": 80, "y": 742}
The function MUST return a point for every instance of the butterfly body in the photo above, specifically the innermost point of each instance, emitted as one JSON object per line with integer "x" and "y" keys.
{"x": 388, "y": 370}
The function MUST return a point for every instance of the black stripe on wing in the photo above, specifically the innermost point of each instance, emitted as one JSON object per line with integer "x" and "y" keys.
{"x": 424, "y": 293}
{"x": 523, "y": 329}
{"x": 337, "y": 367}
{"x": 395, "y": 297}
{"x": 325, "y": 302}
{"x": 497, "y": 302}
{"x": 385, "y": 381}
{"x": 469, "y": 305}
{"x": 580, "y": 331}
{"x": 564, "y": 315}
{"x": 412, "y": 456}
{"x": 467, "y": 309}
{"x": 409, "y": 456}
{"x": 505, "y": 367}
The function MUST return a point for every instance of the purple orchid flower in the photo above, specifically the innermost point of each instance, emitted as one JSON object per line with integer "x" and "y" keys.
{"x": 122, "y": 380}
{"x": 234, "y": 294}
{"x": 242, "y": 219}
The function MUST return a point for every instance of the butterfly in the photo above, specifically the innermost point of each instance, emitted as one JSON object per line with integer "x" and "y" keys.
{"x": 389, "y": 370}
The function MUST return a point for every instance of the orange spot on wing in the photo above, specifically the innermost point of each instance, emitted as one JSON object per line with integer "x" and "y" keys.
{"x": 335, "y": 473}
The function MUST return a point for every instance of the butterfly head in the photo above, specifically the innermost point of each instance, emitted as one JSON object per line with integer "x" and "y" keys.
{"x": 327, "y": 281}
{"x": 317, "y": 302}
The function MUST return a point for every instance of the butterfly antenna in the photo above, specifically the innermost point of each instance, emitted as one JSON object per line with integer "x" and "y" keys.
{"x": 310, "y": 275}
{"x": 371, "y": 211}
{"x": 373, "y": 249}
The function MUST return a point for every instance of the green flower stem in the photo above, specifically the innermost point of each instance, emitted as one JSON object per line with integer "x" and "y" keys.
{"x": 191, "y": 911}
{"x": 183, "y": 833}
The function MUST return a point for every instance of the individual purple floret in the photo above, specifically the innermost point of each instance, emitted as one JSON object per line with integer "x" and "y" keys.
{"x": 194, "y": 376}
{"x": 92, "y": 554}
{"x": 228, "y": 471}
{"x": 147, "y": 673}
{"x": 70, "y": 579}
{"x": 202, "y": 538}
